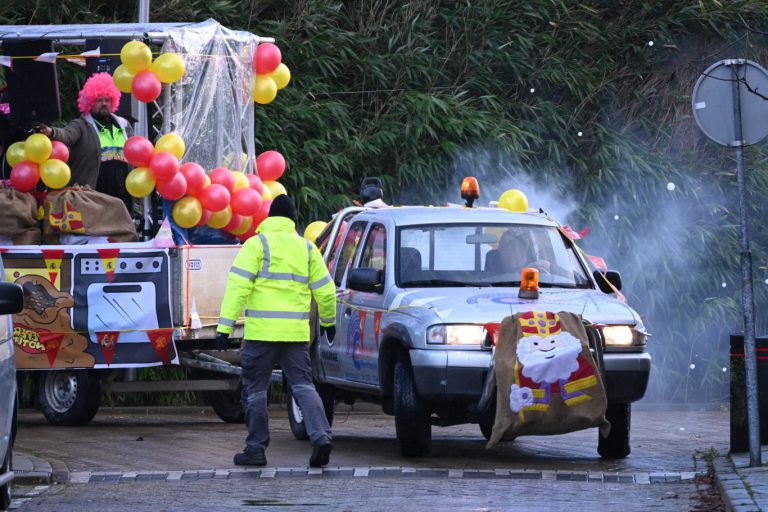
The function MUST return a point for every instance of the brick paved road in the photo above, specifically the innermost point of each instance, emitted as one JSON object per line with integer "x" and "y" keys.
{"x": 186, "y": 451}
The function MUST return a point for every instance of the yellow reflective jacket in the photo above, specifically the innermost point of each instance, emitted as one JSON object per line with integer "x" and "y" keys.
{"x": 274, "y": 276}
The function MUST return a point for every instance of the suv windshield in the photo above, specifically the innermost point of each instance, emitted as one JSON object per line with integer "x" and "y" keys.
{"x": 486, "y": 255}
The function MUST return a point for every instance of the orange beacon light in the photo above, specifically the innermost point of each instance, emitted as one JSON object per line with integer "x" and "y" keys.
{"x": 529, "y": 283}
{"x": 470, "y": 190}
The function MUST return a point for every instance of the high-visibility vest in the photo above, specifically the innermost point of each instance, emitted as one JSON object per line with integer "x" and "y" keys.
{"x": 274, "y": 276}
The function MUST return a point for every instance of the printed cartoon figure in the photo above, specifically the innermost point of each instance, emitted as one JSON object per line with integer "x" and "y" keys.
{"x": 549, "y": 362}
{"x": 47, "y": 310}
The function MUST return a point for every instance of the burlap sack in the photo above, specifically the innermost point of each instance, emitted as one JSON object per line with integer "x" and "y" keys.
{"x": 19, "y": 217}
{"x": 547, "y": 380}
{"x": 87, "y": 212}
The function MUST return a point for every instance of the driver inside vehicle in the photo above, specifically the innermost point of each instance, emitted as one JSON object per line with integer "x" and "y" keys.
{"x": 515, "y": 251}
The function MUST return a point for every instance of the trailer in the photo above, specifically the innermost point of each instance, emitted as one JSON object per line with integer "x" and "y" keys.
{"x": 96, "y": 313}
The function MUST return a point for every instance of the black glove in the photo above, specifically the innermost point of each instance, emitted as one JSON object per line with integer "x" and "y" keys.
{"x": 330, "y": 332}
{"x": 222, "y": 341}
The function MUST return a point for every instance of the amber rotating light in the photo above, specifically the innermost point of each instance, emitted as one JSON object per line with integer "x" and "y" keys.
{"x": 529, "y": 283}
{"x": 470, "y": 190}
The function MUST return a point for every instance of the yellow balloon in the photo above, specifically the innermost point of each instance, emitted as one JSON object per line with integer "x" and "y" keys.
{"x": 312, "y": 231}
{"x": 123, "y": 78}
{"x": 207, "y": 181}
{"x": 266, "y": 194}
{"x": 220, "y": 219}
{"x": 281, "y": 76}
{"x": 168, "y": 67}
{"x": 275, "y": 188}
{"x": 55, "y": 173}
{"x": 187, "y": 212}
{"x": 171, "y": 143}
{"x": 514, "y": 201}
{"x": 244, "y": 226}
{"x": 241, "y": 180}
{"x": 229, "y": 161}
{"x": 38, "y": 148}
{"x": 264, "y": 89}
{"x": 136, "y": 57}
{"x": 15, "y": 153}
{"x": 140, "y": 182}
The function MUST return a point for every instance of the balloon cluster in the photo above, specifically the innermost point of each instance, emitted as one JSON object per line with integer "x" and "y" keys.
{"x": 142, "y": 77}
{"x": 38, "y": 158}
{"x": 271, "y": 74}
{"x": 222, "y": 199}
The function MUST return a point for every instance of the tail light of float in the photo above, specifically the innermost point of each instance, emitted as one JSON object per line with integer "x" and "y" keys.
{"x": 529, "y": 283}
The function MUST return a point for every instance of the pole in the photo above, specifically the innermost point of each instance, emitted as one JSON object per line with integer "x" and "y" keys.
{"x": 746, "y": 283}
{"x": 142, "y": 126}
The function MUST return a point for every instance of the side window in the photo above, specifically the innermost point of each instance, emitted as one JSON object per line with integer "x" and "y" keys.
{"x": 375, "y": 248}
{"x": 336, "y": 243}
{"x": 348, "y": 250}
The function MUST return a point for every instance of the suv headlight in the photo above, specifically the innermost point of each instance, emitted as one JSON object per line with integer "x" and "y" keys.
{"x": 457, "y": 334}
{"x": 624, "y": 336}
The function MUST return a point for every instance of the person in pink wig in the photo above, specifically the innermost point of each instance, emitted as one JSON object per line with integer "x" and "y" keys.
{"x": 96, "y": 139}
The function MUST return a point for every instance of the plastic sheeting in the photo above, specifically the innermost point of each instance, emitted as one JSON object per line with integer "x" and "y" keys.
{"x": 211, "y": 107}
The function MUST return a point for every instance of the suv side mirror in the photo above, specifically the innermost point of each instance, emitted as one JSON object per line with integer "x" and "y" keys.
{"x": 11, "y": 298}
{"x": 365, "y": 280}
{"x": 612, "y": 276}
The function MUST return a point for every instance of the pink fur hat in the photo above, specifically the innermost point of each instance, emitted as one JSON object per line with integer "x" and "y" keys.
{"x": 98, "y": 86}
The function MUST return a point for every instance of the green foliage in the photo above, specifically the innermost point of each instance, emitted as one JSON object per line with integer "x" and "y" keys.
{"x": 569, "y": 94}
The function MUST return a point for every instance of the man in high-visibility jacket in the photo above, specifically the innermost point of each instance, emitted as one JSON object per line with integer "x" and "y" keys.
{"x": 274, "y": 276}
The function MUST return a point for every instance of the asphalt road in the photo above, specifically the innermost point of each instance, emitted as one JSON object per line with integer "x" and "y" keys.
{"x": 184, "y": 462}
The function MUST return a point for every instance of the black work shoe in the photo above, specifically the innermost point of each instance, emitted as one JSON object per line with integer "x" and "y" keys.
{"x": 321, "y": 454}
{"x": 246, "y": 458}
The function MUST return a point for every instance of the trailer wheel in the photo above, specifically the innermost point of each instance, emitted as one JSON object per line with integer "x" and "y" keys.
{"x": 69, "y": 397}
{"x": 227, "y": 404}
{"x": 412, "y": 419}
{"x": 616, "y": 444}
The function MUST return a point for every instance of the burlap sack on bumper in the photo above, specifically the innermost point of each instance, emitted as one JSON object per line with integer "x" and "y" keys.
{"x": 19, "y": 218}
{"x": 547, "y": 380}
{"x": 87, "y": 212}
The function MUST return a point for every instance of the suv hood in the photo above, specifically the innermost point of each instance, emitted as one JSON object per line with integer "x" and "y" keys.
{"x": 480, "y": 305}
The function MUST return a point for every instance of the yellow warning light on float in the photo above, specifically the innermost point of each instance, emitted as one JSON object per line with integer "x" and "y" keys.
{"x": 514, "y": 200}
{"x": 470, "y": 190}
{"x": 529, "y": 283}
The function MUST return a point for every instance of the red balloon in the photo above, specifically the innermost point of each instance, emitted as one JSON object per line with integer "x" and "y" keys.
{"x": 173, "y": 189}
{"x": 164, "y": 166}
{"x": 138, "y": 151}
{"x": 25, "y": 176}
{"x": 256, "y": 183}
{"x": 59, "y": 151}
{"x": 263, "y": 212}
{"x": 267, "y": 58}
{"x": 223, "y": 176}
{"x": 214, "y": 197}
{"x": 234, "y": 223}
{"x": 146, "y": 86}
{"x": 205, "y": 218}
{"x": 246, "y": 202}
{"x": 195, "y": 176}
{"x": 270, "y": 165}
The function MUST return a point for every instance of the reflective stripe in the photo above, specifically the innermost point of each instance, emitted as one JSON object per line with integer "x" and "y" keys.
{"x": 243, "y": 273}
{"x": 292, "y": 315}
{"x": 331, "y": 320}
{"x": 283, "y": 276}
{"x": 265, "y": 259}
{"x": 320, "y": 283}
{"x": 226, "y": 321}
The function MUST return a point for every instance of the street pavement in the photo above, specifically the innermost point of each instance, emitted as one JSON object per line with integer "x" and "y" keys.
{"x": 145, "y": 455}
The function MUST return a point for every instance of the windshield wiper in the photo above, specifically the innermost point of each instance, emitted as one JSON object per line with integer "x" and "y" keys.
{"x": 505, "y": 283}
{"x": 438, "y": 282}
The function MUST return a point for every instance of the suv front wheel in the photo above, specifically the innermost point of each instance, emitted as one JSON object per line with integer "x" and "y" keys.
{"x": 412, "y": 419}
{"x": 616, "y": 444}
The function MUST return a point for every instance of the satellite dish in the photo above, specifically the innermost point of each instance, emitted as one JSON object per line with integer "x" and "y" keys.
{"x": 714, "y": 96}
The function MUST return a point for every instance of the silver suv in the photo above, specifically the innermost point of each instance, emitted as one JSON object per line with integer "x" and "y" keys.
{"x": 416, "y": 286}
{"x": 11, "y": 301}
